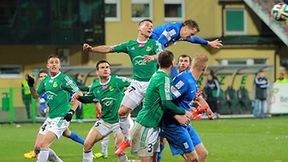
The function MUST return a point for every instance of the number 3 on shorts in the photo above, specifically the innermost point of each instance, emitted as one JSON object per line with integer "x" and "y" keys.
{"x": 149, "y": 147}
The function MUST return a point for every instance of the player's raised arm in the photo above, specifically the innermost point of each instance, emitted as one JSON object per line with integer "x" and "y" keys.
{"x": 103, "y": 49}
{"x": 31, "y": 82}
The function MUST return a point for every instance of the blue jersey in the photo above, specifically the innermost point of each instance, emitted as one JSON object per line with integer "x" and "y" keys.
{"x": 42, "y": 101}
{"x": 174, "y": 72}
{"x": 183, "y": 91}
{"x": 168, "y": 34}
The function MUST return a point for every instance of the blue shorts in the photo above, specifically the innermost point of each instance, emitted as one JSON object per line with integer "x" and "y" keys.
{"x": 181, "y": 139}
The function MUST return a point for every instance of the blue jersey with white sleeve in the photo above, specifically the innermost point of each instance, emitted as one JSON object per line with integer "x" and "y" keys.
{"x": 168, "y": 34}
{"x": 183, "y": 92}
{"x": 181, "y": 139}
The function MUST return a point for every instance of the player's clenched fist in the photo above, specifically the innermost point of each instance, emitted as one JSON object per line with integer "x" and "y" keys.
{"x": 87, "y": 48}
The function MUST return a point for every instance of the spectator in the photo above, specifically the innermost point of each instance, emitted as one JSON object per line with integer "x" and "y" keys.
{"x": 212, "y": 91}
{"x": 26, "y": 96}
{"x": 261, "y": 85}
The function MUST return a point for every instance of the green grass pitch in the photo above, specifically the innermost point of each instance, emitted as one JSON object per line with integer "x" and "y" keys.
{"x": 229, "y": 140}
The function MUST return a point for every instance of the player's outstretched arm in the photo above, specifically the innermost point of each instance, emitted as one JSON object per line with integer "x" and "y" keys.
{"x": 215, "y": 43}
{"x": 203, "y": 103}
{"x": 103, "y": 49}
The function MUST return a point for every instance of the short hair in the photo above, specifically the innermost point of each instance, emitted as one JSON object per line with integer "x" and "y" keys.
{"x": 53, "y": 56}
{"x": 42, "y": 71}
{"x": 165, "y": 59}
{"x": 184, "y": 55}
{"x": 191, "y": 24}
{"x": 101, "y": 62}
{"x": 143, "y": 20}
{"x": 199, "y": 62}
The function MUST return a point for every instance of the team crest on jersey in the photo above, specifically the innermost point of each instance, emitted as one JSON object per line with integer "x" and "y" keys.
{"x": 55, "y": 84}
{"x": 148, "y": 49}
{"x": 133, "y": 48}
{"x": 111, "y": 88}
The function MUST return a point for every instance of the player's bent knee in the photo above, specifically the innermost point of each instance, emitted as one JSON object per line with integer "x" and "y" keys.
{"x": 87, "y": 146}
{"x": 191, "y": 157}
{"x": 123, "y": 111}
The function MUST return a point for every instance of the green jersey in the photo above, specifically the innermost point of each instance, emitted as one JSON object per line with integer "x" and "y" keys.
{"x": 109, "y": 95}
{"x": 58, "y": 89}
{"x": 142, "y": 71}
{"x": 159, "y": 89}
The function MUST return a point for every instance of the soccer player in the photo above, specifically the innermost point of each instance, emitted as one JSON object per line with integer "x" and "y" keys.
{"x": 184, "y": 63}
{"x": 142, "y": 71}
{"x": 59, "y": 88}
{"x": 67, "y": 133}
{"x": 145, "y": 133}
{"x": 168, "y": 34}
{"x": 184, "y": 140}
{"x": 109, "y": 91}
{"x": 105, "y": 140}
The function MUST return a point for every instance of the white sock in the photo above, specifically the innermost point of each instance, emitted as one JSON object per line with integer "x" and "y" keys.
{"x": 53, "y": 156}
{"x": 43, "y": 155}
{"x": 104, "y": 145}
{"x": 88, "y": 157}
{"x": 126, "y": 125}
{"x": 122, "y": 158}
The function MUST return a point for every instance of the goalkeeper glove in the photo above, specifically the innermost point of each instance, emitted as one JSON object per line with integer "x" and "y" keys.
{"x": 69, "y": 115}
{"x": 30, "y": 80}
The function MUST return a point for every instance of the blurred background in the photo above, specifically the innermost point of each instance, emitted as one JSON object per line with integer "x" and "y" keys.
{"x": 31, "y": 30}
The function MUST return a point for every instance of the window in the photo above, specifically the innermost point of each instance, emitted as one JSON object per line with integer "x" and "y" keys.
{"x": 64, "y": 55}
{"x": 141, "y": 9}
{"x": 112, "y": 10}
{"x": 243, "y": 62}
{"x": 174, "y": 10}
{"x": 232, "y": 26}
{"x": 10, "y": 71}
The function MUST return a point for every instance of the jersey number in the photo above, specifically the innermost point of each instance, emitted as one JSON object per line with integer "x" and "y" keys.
{"x": 149, "y": 147}
{"x": 44, "y": 127}
{"x": 97, "y": 124}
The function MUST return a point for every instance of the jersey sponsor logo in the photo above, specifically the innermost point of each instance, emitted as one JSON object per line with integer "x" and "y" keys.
{"x": 179, "y": 84}
{"x": 139, "y": 60}
{"x": 175, "y": 92}
{"x": 108, "y": 101}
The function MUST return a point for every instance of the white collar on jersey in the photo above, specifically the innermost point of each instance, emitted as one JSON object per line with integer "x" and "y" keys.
{"x": 105, "y": 83}
{"x": 56, "y": 75}
{"x": 142, "y": 42}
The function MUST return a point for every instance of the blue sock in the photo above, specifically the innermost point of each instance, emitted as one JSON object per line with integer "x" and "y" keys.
{"x": 75, "y": 137}
{"x": 160, "y": 153}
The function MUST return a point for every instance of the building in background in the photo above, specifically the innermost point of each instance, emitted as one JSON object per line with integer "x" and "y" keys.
{"x": 31, "y": 30}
